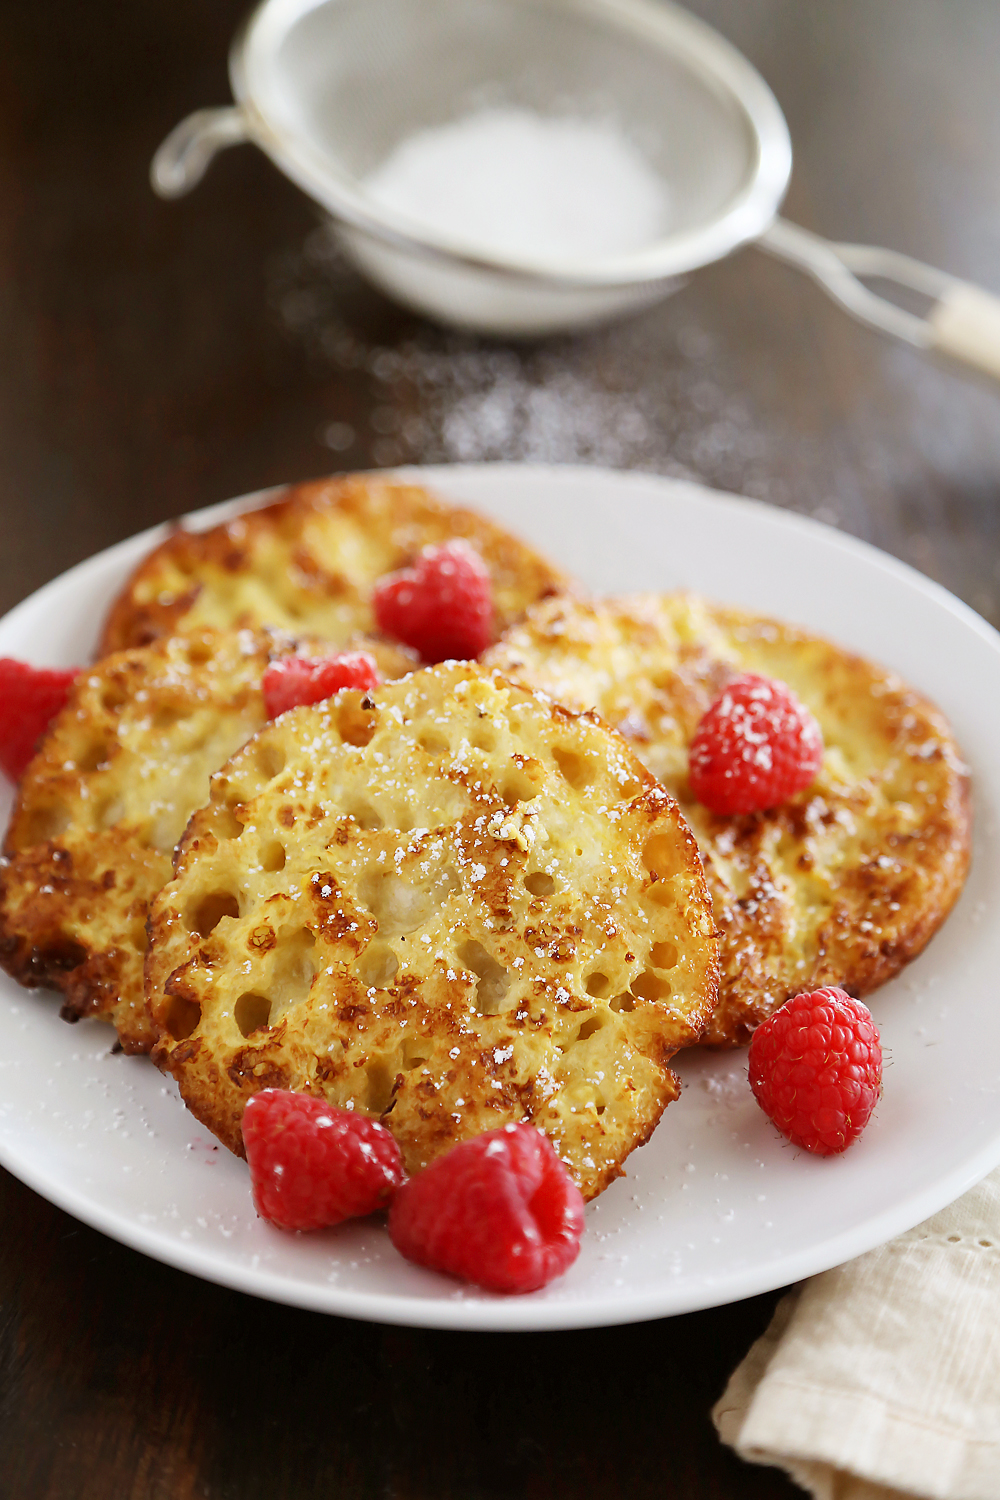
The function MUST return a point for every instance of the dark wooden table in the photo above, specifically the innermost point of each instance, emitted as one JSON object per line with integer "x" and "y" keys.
{"x": 159, "y": 357}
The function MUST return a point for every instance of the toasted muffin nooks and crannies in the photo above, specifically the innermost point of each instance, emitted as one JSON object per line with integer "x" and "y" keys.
{"x": 308, "y": 563}
{"x": 451, "y": 904}
{"x": 103, "y": 802}
{"x": 847, "y": 881}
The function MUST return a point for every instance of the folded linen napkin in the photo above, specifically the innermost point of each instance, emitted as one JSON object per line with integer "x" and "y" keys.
{"x": 881, "y": 1378}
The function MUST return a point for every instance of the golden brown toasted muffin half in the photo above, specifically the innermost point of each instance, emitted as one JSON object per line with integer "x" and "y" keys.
{"x": 308, "y": 563}
{"x": 99, "y": 809}
{"x": 847, "y": 881}
{"x": 450, "y": 905}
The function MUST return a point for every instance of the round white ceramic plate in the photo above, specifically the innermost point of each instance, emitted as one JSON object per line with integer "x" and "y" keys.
{"x": 716, "y": 1207}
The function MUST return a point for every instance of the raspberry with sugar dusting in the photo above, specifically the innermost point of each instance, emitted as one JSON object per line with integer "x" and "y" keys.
{"x": 30, "y": 697}
{"x": 442, "y": 605}
{"x": 500, "y": 1210}
{"x": 292, "y": 680}
{"x": 755, "y": 747}
{"x": 312, "y": 1165}
{"x": 816, "y": 1069}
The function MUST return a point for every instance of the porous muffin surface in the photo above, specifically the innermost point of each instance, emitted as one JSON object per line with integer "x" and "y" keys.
{"x": 450, "y": 904}
{"x": 102, "y": 804}
{"x": 849, "y": 879}
{"x": 308, "y": 561}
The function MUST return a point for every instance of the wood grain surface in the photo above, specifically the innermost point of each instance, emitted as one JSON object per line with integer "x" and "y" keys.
{"x": 158, "y": 357}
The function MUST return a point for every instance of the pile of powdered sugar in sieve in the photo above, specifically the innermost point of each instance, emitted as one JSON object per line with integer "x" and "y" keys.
{"x": 516, "y": 183}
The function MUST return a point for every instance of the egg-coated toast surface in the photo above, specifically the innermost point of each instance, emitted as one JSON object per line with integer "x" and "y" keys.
{"x": 119, "y": 772}
{"x": 450, "y": 904}
{"x": 307, "y": 562}
{"x": 845, "y": 882}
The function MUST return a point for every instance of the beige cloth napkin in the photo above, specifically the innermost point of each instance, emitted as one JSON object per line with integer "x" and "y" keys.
{"x": 882, "y": 1378}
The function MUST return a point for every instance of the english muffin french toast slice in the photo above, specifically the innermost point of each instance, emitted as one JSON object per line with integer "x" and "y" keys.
{"x": 308, "y": 561}
{"x": 450, "y": 904}
{"x": 847, "y": 881}
{"x": 100, "y": 807}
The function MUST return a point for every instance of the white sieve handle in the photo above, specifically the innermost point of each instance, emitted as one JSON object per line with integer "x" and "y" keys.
{"x": 183, "y": 158}
{"x": 963, "y": 321}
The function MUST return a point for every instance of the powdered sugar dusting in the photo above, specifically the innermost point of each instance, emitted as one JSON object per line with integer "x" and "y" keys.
{"x": 644, "y": 394}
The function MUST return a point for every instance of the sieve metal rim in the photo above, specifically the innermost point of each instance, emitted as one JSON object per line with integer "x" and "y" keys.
{"x": 712, "y": 59}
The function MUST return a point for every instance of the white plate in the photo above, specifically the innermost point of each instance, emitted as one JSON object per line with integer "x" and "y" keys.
{"x": 716, "y": 1207}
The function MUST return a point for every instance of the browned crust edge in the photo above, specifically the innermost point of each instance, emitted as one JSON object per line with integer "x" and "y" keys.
{"x": 130, "y": 623}
{"x": 90, "y": 983}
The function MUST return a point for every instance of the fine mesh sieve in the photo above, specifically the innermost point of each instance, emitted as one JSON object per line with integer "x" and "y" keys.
{"x": 327, "y": 88}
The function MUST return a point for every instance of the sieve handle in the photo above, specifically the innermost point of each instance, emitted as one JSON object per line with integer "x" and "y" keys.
{"x": 963, "y": 321}
{"x": 184, "y": 157}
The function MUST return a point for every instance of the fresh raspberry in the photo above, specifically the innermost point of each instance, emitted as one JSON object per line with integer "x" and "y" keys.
{"x": 816, "y": 1069}
{"x": 755, "y": 747}
{"x": 292, "y": 680}
{"x": 312, "y": 1165}
{"x": 442, "y": 605}
{"x": 500, "y": 1210}
{"x": 29, "y": 698}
